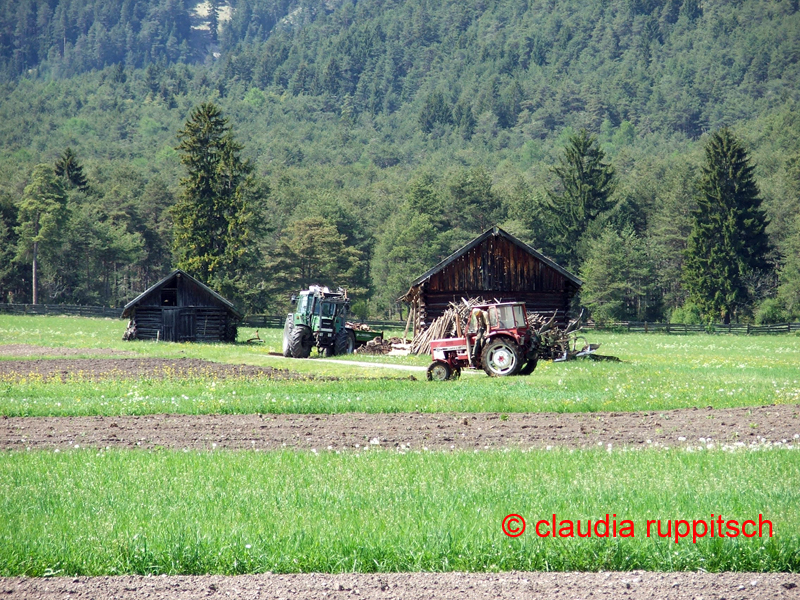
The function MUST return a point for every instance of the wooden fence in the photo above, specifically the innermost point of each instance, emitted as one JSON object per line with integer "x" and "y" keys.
{"x": 734, "y": 328}
{"x": 60, "y": 309}
{"x": 277, "y": 321}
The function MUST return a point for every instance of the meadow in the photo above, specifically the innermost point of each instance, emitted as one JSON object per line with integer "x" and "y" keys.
{"x": 657, "y": 372}
{"x": 103, "y": 512}
{"x": 85, "y": 512}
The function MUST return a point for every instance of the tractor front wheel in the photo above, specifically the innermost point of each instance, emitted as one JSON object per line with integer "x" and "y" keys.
{"x": 300, "y": 342}
{"x": 287, "y": 336}
{"x": 501, "y": 358}
{"x": 345, "y": 342}
{"x": 439, "y": 371}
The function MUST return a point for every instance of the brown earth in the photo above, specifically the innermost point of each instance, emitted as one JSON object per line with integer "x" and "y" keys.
{"x": 94, "y": 369}
{"x": 412, "y": 586}
{"x": 777, "y": 424}
{"x": 24, "y": 350}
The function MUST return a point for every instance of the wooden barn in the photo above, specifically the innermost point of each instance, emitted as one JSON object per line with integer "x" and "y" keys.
{"x": 181, "y": 309}
{"x": 495, "y": 265}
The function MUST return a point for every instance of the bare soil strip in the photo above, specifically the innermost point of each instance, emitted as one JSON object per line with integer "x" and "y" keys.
{"x": 777, "y": 424}
{"x": 27, "y": 350}
{"x": 97, "y": 369}
{"x": 411, "y": 586}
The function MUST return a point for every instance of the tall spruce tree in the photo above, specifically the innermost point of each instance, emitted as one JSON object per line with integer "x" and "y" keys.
{"x": 728, "y": 242}
{"x": 215, "y": 219}
{"x": 586, "y": 186}
{"x": 71, "y": 171}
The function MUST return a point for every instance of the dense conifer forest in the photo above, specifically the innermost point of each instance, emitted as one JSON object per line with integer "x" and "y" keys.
{"x": 369, "y": 139}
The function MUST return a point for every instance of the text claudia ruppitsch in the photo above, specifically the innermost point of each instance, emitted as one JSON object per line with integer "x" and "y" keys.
{"x": 716, "y": 527}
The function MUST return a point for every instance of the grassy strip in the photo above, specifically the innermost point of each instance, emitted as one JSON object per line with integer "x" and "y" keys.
{"x": 559, "y": 387}
{"x": 658, "y": 372}
{"x": 83, "y": 512}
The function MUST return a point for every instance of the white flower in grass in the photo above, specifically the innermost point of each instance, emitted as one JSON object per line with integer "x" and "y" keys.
{"x": 375, "y": 441}
{"x": 248, "y": 546}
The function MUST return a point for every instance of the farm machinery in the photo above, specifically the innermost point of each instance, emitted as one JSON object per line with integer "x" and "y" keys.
{"x": 320, "y": 320}
{"x": 498, "y": 339}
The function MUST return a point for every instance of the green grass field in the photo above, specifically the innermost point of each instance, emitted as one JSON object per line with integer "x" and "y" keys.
{"x": 128, "y": 511}
{"x": 89, "y": 513}
{"x": 658, "y": 372}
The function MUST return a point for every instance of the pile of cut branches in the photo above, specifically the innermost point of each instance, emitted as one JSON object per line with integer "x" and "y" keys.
{"x": 445, "y": 326}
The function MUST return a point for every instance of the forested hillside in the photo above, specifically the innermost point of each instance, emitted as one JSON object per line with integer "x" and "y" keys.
{"x": 390, "y": 132}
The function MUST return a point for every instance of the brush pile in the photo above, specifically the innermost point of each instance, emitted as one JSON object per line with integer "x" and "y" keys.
{"x": 381, "y": 346}
{"x": 445, "y": 326}
{"x": 556, "y": 343}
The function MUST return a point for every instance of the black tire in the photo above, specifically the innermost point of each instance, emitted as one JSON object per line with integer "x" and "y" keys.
{"x": 345, "y": 342}
{"x": 501, "y": 358}
{"x": 439, "y": 371}
{"x": 287, "y": 335}
{"x": 300, "y": 342}
{"x": 328, "y": 351}
{"x": 529, "y": 367}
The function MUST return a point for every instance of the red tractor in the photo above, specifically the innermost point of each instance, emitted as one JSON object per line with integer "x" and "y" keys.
{"x": 498, "y": 339}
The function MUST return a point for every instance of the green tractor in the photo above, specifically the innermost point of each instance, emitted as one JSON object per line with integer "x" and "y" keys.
{"x": 320, "y": 319}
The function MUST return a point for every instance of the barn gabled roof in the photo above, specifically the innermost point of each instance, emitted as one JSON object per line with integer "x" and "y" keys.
{"x": 182, "y": 273}
{"x": 496, "y": 231}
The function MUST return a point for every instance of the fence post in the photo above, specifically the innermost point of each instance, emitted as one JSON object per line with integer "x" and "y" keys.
{"x": 748, "y": 329}
{"x": 645, "y": 326}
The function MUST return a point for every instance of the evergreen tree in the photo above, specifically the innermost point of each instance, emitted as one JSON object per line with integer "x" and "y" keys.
{"x": 473, "y": 205}
{"x": 586, "y": 186}
{"x": 42, "y": 213}
{"x": 619, "y": 279}
{"x": 728, "y": 242}
{"x": 71, "y": 171}
{"x": 789, "y": 289}
{"x": 436, "y": 110}
{"x": 215, "y": 219}
{"x": 312, "y": 251}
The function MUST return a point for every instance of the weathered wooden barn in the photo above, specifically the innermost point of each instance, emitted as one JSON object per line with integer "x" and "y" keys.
{"x": 495, "y": 265}
{"x": 179, "y": 308}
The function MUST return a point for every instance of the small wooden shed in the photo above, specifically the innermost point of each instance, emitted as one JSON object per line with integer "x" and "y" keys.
{"x": 495, "y": 265}
{"x": 179, "y": 308}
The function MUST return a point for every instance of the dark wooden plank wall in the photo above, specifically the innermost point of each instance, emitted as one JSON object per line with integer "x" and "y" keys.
{"x": 496, "y": 269}
{"x": 497, "y": 265}
{"x": 194, "y": 324}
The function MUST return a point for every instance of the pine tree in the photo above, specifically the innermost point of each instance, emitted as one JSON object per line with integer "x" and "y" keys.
{"x": 586, "y": 186}
{"x": 42, "y": 213}
{"x": 619, "y": 278}
{"x": 728, "y": 242}
{"x": 215, "y": 219}
{"x": 71, "y": 171}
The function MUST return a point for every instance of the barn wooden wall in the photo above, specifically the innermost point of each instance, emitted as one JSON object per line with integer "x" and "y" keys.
{"x": 495, "y": 269}
{"x": 198, "y": 316}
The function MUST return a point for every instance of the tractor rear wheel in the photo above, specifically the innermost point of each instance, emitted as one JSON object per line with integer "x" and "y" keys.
{"x": 345, "y": 342}
{"x": 287, "y": 335}
{"x": 501, "y": 358}
{"x": 529, "y": 367}
{"x": 300, "y": 342}
{"x": 439, "y": 371}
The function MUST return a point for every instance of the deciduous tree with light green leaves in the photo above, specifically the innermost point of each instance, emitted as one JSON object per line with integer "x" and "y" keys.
{"x": 42, "y": 215}
{"x": 728, "y": 242}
